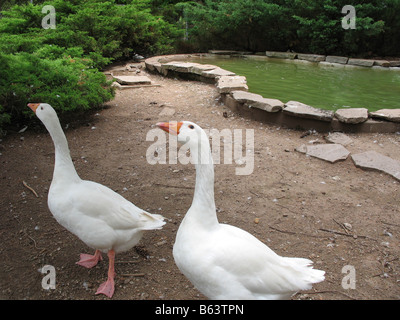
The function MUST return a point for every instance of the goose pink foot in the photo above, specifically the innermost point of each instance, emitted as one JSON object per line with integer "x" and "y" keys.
{"x": 107, "y": 288}
{"x": 89, "y": 261}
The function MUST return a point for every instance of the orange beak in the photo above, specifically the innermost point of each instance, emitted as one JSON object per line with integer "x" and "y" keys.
{"x": 33, "y": 106}
{"x": 172, "y": 127}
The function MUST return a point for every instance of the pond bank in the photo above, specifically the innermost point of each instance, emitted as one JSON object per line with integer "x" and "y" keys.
{"x": 291, "y": 114}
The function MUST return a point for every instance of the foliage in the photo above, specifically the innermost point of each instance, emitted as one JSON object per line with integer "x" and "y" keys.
{"x": 61, "y": 66}
{"x": 67, "y": 84}
{"x": 309, "y": 26}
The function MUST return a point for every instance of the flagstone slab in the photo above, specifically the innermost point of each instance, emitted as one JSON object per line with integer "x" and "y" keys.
{"x": 387, "y": 114}
{"x": 217, "y": 72}
{"x": 301, "y": 110}
{"x": 352, "y": 115}
{"x": 130, "y": 80}
{"x": 375, "y": 161}
{"x": 337, "y": 59}
{"x": 257, "y": 101}
{"x": 179, "y": 66}
{"x": 227, "y": 84}
{"x": 330, "y": 152}
{"x": 339, "y": 138}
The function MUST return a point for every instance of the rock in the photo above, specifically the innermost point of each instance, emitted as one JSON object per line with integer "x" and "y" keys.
{"x": 311, "y": 57}
{"x": 217, "y": 72}
{"x": 301, "y": 110}
{"x": 336, "y": 59}
{"x": 129, "y": 80}
{"x": 167, "y": 112}
{"x": 228, "y": 52}
{"x": 269, "y": 105}
{"x": 328, "y": 152}
{"x": 198, "y": 69}
{"x": 382, "y": 63}
{"x": 257, "y": 101}
{"x": 352, "y": 115}
{"x": 281, "y": 55}
{"x": 226, "y": 84}
{"x": 338, "y": 138}
{"x": 395, "y": 63}
{"x": 152, "y": 64}
{"x": 179, "y": 66}
{"x": 361, "y": 62}
{"x": 387, "y": 114}
{"x": 301, "y": 149}
{"x": 245, "y": 97}
{"x": 375, "y": 161}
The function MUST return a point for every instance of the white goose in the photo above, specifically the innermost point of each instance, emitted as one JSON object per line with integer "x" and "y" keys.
{"x": 101, "y": 218}
{"x": 223, "y": 261}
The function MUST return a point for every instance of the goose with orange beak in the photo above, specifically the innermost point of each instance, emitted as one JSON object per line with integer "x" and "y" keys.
{"x": 222, "y": 261}
{"x": 100, "y": 217}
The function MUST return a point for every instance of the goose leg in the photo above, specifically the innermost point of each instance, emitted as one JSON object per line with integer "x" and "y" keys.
{"x": 89, "y": 261}
{"x": 107, "y": 287}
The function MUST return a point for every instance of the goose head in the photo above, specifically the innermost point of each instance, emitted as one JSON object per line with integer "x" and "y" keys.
{"x": 186, "y": 131}
{"x": 192, "y": 136}
{"x": 43, "y": 111}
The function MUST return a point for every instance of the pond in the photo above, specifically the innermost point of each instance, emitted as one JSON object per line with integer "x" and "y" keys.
{"x": 324, "y": 87}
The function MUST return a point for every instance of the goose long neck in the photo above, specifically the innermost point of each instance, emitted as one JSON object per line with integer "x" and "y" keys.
{"x": 203, "y": 199}
{"x": 64, "y": 169}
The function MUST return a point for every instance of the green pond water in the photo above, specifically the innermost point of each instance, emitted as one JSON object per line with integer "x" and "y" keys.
{"x": 318, "y": 86}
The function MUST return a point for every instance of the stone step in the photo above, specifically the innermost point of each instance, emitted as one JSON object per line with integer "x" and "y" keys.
{"x": 132, "y": 80}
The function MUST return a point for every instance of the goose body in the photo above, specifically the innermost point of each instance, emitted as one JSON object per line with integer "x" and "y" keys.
{"x": 223, "y": 261}
{"x": 100, "y": 217}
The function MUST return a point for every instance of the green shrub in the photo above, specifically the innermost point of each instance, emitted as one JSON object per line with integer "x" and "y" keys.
{"x": 61, "y": 66}
{"x": 67, "y": 84}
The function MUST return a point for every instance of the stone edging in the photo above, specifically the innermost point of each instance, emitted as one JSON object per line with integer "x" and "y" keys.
{"x": 292, "y": 114}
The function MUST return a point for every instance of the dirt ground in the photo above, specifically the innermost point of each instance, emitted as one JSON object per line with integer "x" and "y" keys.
{"x": 335, "y": 214}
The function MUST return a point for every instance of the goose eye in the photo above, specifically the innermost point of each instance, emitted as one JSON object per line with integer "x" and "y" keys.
{"x": 191, "y": 126}
{"x": 41, "y": 108}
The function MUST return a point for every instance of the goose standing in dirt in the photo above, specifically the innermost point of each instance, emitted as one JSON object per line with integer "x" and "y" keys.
{"x": 223, "y": 261}
{"x": 100, "y": 217}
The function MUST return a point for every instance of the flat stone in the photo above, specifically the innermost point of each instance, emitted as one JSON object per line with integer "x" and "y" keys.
{"x": 328, "y": 152}
{"x": 227, "y": 84}
{"x": 229, "y": 52}
{"x": 387, "y": 114}
{"x": 217, "y": 72}
{"x": 382, "y": 63}
{"x": 200, "y": 68}
{"x": 336, "y": 59}
{"x": 361, "y": 62}
{"x": 281, "y": 55}
{"x": 223, "y": 52}
{"x": 269, "y": 105}
{"x": 245, "y": 97}
{"x": 257, "y": 101}
{"x": 128, "y": 80}
{"x": 167, "y": 112}
{"x": 179, "y": 66}
{"x": 153, "y": 64}
{"x": 352, "y": 115}
{"x": 394, "y": 63}
{"x": 301, "y": 149}
{"x": 375, "y": 161}
{"x": 311, "y": 57}
{"x": 339, "y": 138}
{"x": 301, "y": 110}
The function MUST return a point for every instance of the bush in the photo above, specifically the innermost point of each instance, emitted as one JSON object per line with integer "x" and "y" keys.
{"x": 67, "y": 84}
{"x": 61, "y": 66}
